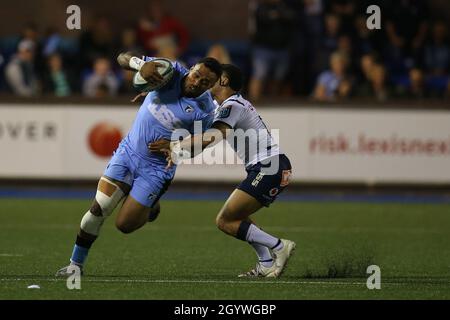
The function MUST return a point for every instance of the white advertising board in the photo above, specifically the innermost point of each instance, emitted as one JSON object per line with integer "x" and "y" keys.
{"x": 324, "y": 145}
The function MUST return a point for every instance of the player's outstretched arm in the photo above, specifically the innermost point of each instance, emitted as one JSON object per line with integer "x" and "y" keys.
{"x": 147, "y": 70}
{"x": 209, "y": 138}
{"x": 192, "y": 145}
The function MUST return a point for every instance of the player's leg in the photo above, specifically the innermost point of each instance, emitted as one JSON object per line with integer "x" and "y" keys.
{"x": 260, "y": 188}
{"x": 238, "y": 207}
{"x": 112, "y": 187}
{"x": 264, "y": 254}
{"x": 132, "y": 215}
{"x": 109, "y": 194}
{"x": 154, "y": 212}
{"x": 233, "y": 219}
{"x": 142, "y": 205}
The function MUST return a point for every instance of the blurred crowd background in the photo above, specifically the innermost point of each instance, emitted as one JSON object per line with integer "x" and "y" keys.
{"x": 318, "y": 49}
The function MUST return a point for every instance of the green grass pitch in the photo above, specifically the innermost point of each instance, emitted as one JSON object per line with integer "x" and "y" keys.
{"x": 183, "y": 256}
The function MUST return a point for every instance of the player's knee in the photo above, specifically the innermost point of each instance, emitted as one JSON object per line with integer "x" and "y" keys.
{"x": 221, "y": 222}
{"x": 107, "y": 198}
{"x": 95, "y": 209}
{"x": 124, "y": 227}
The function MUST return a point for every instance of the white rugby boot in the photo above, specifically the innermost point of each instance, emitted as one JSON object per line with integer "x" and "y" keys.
{"x": 260, "y": 271}
{"x": 282, "y": 256}
{"x": 64, "y": 273}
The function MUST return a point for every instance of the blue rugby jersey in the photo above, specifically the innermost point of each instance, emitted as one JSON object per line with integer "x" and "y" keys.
{"x": 164, "y": 111}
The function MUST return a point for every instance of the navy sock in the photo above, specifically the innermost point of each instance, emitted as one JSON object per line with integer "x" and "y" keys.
{"x": 243, "y": 230}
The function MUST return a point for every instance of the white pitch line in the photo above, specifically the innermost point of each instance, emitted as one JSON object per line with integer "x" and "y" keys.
{"x": 187, "y": 281}
{"x": 36, "y": 280}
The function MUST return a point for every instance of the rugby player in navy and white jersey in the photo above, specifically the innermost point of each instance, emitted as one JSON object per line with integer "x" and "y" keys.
{"x": 134, "y": 174}
{"x": 268, "y": 171}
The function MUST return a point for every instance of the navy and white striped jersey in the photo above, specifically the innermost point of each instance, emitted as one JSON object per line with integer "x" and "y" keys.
{"x": 252, "y": 140}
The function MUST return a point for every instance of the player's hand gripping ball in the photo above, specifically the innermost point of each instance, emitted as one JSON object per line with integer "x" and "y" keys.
{"x": 153, "y": 75}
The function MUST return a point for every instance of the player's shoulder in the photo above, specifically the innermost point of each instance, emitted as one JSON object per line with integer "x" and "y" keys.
{"x": 237, "y": 102}
{"x": 205, "y": 103}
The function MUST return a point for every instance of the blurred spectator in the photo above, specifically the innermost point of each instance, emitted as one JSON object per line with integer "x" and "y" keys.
{"x": 292, "y": 41}
{"x": 51, "y": 42}
{"x": 306, "y": 68}
{"x": 30, "y": 32}
{"x": 329, "y": 41}
{"x": 56, "y": 79}
{"x": 437, "y": 51}
{"x": 220, "y": 53}
{"x": 101, "y": 91}
{"x": 345, "y": 45}
{"x": 346, "y": 11}
{"x": 380, "y": 89}
{"x": 49, "y": 45}
{"x": 128, "y": 42}
{"x": 270, "y": 54}
{"x": 126, "y": 85}
{"x": 97, "y": 42}
{"x": 367, "y": 40}
{"x": 159, "y": 24}
{"x": 406, "y": 28}
{"x": 313, "y": 14}
{"x": 334, "y": 83}
{"x": 101, "y": 80}
{"x": 366, "y": 63}
{"x": 437, "y": 59}
{"x": 376, "y": 86}
{"x": 166, "y": 48}
{"x": 307, "y": 34}
{"x": 20, "y": 73}
{"x": 416, "y": 87}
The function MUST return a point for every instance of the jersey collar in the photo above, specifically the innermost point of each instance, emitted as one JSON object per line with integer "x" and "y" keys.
{"x": 237, "y": 95}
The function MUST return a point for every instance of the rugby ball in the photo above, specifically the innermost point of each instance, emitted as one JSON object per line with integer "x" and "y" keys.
{"x": 166, "y": 71}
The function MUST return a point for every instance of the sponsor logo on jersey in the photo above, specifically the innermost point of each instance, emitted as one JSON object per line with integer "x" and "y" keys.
{"x": 273, "y": 192}
{"x": 188, "y": 109}
{"x": 224, "y": 112}
{"x": 165, "y": 116}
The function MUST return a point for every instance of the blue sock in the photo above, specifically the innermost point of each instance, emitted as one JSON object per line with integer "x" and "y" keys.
{"x": 79, "y": 255}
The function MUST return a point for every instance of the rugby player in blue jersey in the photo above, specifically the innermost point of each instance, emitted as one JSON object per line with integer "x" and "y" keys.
{"x": 268, "y": 171}
{"x": 135, "y": 175}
